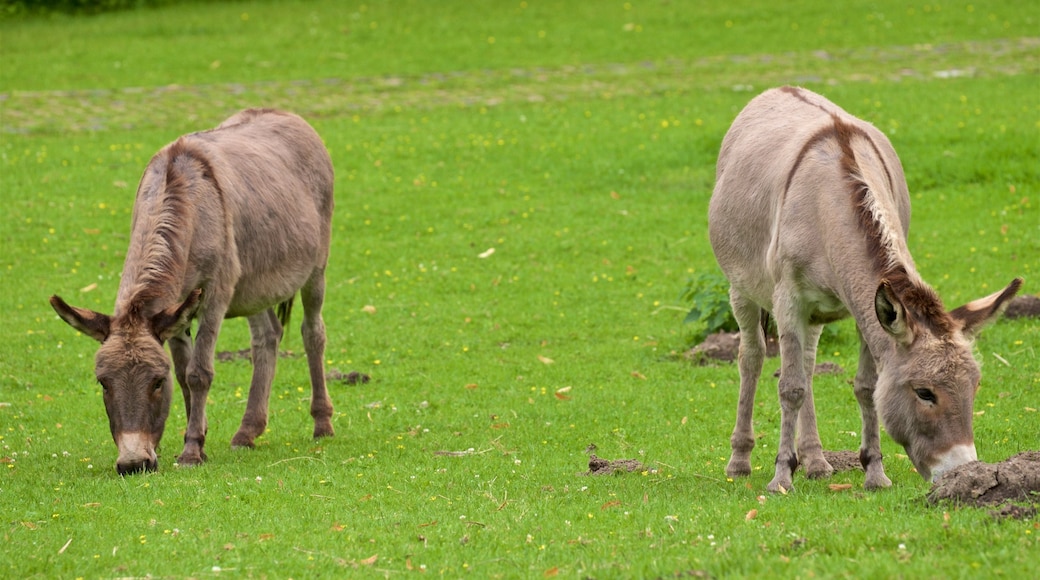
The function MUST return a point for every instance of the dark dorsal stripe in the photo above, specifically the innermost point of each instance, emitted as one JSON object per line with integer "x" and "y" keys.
{"x": 839, "y": 126}
{"x": 920, "y": 301}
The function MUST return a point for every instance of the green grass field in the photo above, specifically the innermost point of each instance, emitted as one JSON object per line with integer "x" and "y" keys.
{"x": 576, "y": 139}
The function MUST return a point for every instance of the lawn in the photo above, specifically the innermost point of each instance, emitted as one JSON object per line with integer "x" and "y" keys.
{"x": 577, "y": 141}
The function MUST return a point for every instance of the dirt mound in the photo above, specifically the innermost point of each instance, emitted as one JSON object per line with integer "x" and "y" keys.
{"x": 247, "y": 354}
{"x": 824, "y": 368}
{"x": 843, "y": 460}
{"x": 600, "y": 466}
{"x": 1013, "y": 511}
{"x": 351, "y": 378}
{"x": 724, "y": 346}
{"x": 978, "y": 483}
{"x": 1023, "y": 307}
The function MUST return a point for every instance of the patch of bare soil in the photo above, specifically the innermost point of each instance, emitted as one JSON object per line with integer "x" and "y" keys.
{"x": 724, "y": 346}
{"x": 1014, "y": 511}
{"x": 600, "y": 466}
{"x": 982, "y": 484}
{"x": 351, "y": 378}
{"x": 246, "y": 354}
{"x": 824, "y": 368}
{"x": 1023, "y": 307}
{"x": 228, "y": 356}
{"x": 843, "y": 460}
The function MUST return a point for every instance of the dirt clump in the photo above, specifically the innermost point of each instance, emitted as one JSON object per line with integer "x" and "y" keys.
{"x": 979, "y": 484}
{"x": 230, "y": 355}
{"x": 351, "y": 378}
{"x": 843, "y": 460}
{"x": 1023, "y": 307}
{"x": 600, "y": 466}
{"x": 1014, "y": 511}
{"x": 824, "y": 368}
{"x": 247, "y": 354}
{"x": 724, "y": 346}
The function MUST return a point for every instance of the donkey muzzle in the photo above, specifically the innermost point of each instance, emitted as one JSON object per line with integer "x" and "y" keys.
{"x": 954, "y": 457}
{"x": 136, "y": 453}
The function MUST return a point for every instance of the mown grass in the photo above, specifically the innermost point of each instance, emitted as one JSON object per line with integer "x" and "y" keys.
{"x": 585, "y": 158}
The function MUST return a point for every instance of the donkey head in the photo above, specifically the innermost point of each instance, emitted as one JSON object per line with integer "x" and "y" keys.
{"x": 134, "y": 372}
{"x": 926, "y": 388}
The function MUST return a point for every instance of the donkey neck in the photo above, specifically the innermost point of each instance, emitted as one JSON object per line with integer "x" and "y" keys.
{"x": 162, "y": 232}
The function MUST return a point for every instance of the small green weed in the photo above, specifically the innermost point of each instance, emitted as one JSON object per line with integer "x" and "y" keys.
{"x": 708, "y": 294}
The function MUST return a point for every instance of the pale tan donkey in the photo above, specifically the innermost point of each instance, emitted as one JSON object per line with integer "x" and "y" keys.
{"x": 809, "y": 220}
{"x": 229, "y": 222}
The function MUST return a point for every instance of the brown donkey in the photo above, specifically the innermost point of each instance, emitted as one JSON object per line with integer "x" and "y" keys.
{"x": 809, "y": 220}
{"x": 229, "y": 222}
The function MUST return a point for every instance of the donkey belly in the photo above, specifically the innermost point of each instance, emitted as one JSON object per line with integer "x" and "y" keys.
{"x": 273, "y": 267}
{"x": 254, "y": 294}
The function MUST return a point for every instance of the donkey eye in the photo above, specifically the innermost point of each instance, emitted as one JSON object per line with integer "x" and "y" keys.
{"x": 925, "y": 395}
{"x": 104, "y": 387}
{"x": 157, "y": 385}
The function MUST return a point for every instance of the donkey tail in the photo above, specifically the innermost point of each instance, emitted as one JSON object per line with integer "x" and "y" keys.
{"x": 284, "y": 312}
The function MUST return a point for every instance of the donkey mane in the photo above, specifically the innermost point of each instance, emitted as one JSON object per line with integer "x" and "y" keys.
{"x": 170, "y": 225}
{"x": 881, "y": 238}
{"x": 922, "y": 302}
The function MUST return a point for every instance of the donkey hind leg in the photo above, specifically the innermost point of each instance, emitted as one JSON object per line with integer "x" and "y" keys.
{"x": 793, "y": 384}
{"x": 870, "y": 446}
{"x": 810, "y": 450}
{"x": 199, "y": 376}
{"x": 751, "y": 356}
{"x": 312, "y": 296}
{"x": 265, "y": 332}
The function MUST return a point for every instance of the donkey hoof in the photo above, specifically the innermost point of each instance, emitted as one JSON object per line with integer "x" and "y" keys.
{"x": 818, "y": 469}
{"x": 324, "y": 431}
{"x": 738, "y": 467}
{"x": 780, "y": 485}
{"x": 191, "y": 459}
{"x": 240, "y": 441}
{"x": 879, "y": 482}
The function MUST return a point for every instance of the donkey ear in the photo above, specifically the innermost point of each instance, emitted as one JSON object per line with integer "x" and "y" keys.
{"x": 173, "y": 320}
{"x": 977, "y": 313}
{"x": 891, "y": 314}
{"x": 90, "y": 323}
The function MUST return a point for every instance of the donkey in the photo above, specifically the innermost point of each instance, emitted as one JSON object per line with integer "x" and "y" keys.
{"x": 228, "y": 222}
{"x": 808, "y": 221}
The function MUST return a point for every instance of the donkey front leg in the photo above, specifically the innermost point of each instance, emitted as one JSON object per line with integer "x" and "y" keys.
{"x": 810, "y": 450}
{"x": 181, "y": 351}
{"x": 199, "y": 377}
{"x": 312, "y": 296}
{"x": 266, "y": 333}
{"x": 750, "y": 359}
{"x": 870, "y": 447}
{"x": 793, "y": 385}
